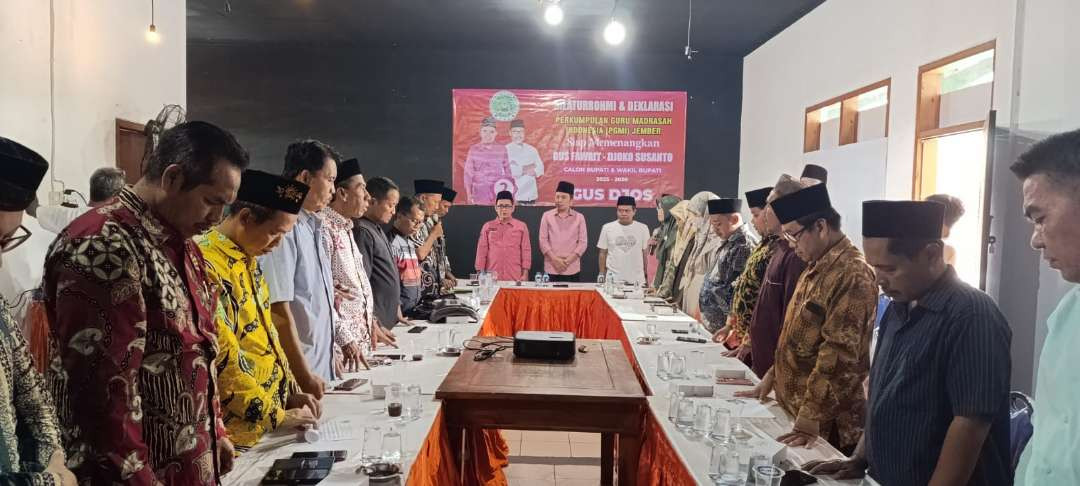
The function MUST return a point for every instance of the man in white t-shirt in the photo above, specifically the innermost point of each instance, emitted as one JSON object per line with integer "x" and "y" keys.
{"x": 525, "y": 164}
{"x": 622, "y": 244}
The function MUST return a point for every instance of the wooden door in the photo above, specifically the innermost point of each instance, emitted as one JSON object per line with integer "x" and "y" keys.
{"x": 130, "y": 148}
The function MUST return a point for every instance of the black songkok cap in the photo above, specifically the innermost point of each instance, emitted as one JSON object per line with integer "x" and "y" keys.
{"x": 805, "y": 202}
{"x": 346, "y": 170}
{"x": 517, "y": 124}
{"x": 727, "y": 205}
{"x": 488, "y": 122}
{"x": 902, "y": 219}
{"x": 565, "y": 187}
{"x": 626, "y": 201}
{"x": 815, "y": 172}
{"x": 428, "y": 186}
{"x": 758, "y": 197}
{"x": 21, "y": 171}
{"x": 448, "y": 194}
{"x": 504, "y": 196}
{"x": 271, "y": 191}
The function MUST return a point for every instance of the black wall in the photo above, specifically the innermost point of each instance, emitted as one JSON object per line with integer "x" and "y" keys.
{"x": 391, "y": 108}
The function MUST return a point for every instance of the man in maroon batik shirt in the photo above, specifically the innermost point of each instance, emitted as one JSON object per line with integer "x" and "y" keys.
{"x": 133, "y": 335}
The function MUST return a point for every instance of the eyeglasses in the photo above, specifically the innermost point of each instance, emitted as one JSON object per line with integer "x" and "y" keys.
{"x": 503, "y": 206}
{"x": 793, "y": 238}
{"x": 17, "y": 238}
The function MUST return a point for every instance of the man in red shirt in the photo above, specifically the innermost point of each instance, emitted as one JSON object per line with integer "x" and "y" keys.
{"x": 133, "y": 331}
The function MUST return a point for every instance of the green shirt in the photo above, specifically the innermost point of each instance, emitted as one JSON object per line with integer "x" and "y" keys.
{"x": 1051, "y": 456}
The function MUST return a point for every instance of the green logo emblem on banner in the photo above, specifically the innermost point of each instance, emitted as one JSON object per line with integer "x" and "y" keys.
{"x": 504, "y": 105}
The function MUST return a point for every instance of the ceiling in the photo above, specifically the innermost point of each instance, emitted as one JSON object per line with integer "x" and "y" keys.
{"x": 719, "y": 27}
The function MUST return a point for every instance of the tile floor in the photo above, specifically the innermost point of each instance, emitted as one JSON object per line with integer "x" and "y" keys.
{"x": 553, "y": 458}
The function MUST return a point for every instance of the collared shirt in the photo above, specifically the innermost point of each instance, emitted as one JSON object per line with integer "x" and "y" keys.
{"x": 504, "y": 248}
{"x": 404, "y": 253}
{"x": 432, "y": 268}
{"x": 948, "y": 357}
{"x": 29, "y": 434}
{"x": 384, "y": 278}
{"x": 781, "y": 277}
{"x": 625, "y": 245}
{"x": 523, "y": 155}
{"x": 254, "y": 381}
{"x": 823, "y": 355}
{"x": 352, "y": 289}
{"x": 298, "y": 272}
{"x": 719, "y": 287}
{"x": 133, "y": 343}
{"x": 487, "y": 165}
{"x": 563, "y": 236}
{"x": 747, "y": 288}
{"x": 1051, "y": 456}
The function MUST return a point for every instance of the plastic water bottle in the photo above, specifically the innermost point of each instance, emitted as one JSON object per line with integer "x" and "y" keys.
{"x": 539, "y": 279}
{"x": 547, "y": 279}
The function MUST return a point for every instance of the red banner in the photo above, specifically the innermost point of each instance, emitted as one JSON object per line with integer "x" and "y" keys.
{"x": 607, "y": 143}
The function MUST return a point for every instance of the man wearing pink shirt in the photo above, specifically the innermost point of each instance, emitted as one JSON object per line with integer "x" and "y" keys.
{"x": 563, "y": 237}
{"x": 504, "y": 246}
{"x": 487, "y": 166}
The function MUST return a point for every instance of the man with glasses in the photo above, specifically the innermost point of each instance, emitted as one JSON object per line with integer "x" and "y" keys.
{"x": 504, "y": 246}
{"x": 408, "y": 217}
{"x": 30, "y": 449}
{"x": 777, "y": 286}
{"x": 133, "y": 336}
{"x": 823, "y": 355}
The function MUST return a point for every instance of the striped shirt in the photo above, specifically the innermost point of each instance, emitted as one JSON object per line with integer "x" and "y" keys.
{"x": 946, "y": 357}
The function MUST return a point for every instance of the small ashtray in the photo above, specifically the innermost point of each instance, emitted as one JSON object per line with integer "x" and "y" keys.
{"x": 648, "y": 339}
{"x": 380, "y": 470}
{"x": 450, "y": 351}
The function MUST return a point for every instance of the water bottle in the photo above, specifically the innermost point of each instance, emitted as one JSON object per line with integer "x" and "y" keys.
{"x": 539, "y": 279}
{"x": 547, "y": 279}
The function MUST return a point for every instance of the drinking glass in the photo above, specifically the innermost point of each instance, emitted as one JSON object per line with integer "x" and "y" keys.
{"x": 738, "y": 431}
{"x": 696, "y": 364}
{"x": 721, "y": 426}
{"x": 371, "y": 450}
{"x": 685, "y": 420}
{"x": 721, "y": 469}
{"x": 755, "y": 461}
{"x": 450, "y": 339}
{"x": 767, "y": 475}
{"x": 414, "y": 404}
{"x": 474, "y": 277}
{"x": 663, "y": 365}
{"x": 391, "y": 446}
{"x": 702, "y": 419}
{"x": 600, "y": 280}
{"x": 677, "y": 368}
{"x": 673, "y": 405}
{"x": 650, "y": 329}
{"x": 394, "y": 404}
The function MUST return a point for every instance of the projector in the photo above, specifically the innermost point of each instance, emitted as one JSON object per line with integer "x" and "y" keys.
{"x": 555, "y": 345}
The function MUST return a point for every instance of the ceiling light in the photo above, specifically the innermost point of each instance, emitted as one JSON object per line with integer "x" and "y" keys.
{"x": 553, "y": 14}
{"x": 152, "y": 35}
{"x": 614, "y": 33}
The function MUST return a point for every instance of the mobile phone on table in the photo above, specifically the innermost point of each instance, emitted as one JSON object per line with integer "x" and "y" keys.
{"x": 796, "y": 477}
{"x": 417, "y": 329}
{"x": 680, "y": 331}
{"x": 350, "y": 385}
{"x": 338, "y": 456}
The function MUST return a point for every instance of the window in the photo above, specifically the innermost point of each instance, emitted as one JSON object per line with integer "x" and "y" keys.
{"x": 850, "y": 118}
{"x": 953, "y": 106}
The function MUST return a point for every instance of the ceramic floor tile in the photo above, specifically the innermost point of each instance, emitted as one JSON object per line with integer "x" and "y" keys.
{"x": 530, "y": 471}
{"x": 577, "y": 472}
{"x": 511, "y": 434}
{"x": 535, "y": 448}
{"x": 575, "y": 482}
{"x": 531, "y": 482}
{"x": 579, "y": 449}
{"x": 584, "y": 437}
{"x": 545, "y": 435}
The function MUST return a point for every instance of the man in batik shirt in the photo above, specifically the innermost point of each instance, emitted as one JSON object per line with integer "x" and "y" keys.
{"x": 823, "y": 355}
{"x": 133, "y": 332}
{"x": 718, "y": 290}
{"x": 30, "y": 451}
{"x": 736, "y": 332}
{"x": 257, "y": 391}
{"x": 357, "y": 330}
{"x": 429, "y": 242}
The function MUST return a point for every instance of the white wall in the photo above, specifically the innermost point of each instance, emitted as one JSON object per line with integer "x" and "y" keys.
{"x": 104, "y": 69}
{"x": 843, "y": 45}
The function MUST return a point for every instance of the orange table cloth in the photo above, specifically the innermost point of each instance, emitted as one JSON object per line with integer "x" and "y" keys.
{"x": 587, "y": 315}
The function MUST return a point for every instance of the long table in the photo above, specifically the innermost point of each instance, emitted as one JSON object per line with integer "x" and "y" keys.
{"x": 668, "y": 456}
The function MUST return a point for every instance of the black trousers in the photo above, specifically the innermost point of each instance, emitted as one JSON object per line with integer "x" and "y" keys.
{"x": 566, "y": 278}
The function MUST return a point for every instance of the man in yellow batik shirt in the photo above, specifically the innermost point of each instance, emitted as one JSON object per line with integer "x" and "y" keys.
{"x": 256, "y": 389}
{"x": 823, "y": 354}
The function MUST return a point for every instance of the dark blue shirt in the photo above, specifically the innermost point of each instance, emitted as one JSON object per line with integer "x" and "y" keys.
{"x": 948, "y": 356}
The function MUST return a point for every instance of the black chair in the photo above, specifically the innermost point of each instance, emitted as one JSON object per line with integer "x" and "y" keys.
{"x": 1020, "y": 428}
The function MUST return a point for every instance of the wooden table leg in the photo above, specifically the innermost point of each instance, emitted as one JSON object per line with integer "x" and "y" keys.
{"x": 629, "y": 455}
{"x": 607, "y": 458}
